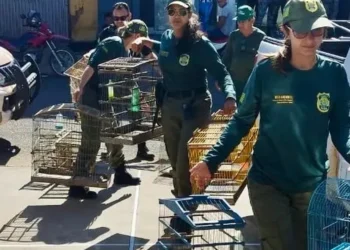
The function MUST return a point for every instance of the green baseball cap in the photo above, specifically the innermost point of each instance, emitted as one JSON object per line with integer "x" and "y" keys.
{"x": 136, "y": 26}
{"x": 184, "y": 3}
{"x": 305, "y": 15}
{"x": 244, "y": 12}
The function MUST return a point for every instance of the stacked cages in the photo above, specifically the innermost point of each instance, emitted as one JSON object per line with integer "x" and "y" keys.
{"x": 127, "y": 88}
{"x": 65, "y": 149}
{"x": 231, "y": 177}
{"x": 199, "y": 222}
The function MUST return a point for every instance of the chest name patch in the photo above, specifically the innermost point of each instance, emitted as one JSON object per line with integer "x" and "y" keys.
{"x": 283, "y": 99}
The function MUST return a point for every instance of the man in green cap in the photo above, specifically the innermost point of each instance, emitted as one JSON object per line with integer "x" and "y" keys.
{"x": 121, "y": 13}
{"x": 242, "y": 47}
{"x": 89, "y": 94}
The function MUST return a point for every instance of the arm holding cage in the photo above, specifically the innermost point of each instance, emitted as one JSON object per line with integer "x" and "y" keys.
{"x": 239, "y": 126}
{"x": 339, "y": 124}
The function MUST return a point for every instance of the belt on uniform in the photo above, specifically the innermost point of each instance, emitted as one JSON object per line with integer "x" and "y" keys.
{"x": 186, "y": 93}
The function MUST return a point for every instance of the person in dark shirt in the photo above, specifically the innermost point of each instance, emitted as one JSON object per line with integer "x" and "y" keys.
{"x": 301, "y": 98}
{"x": 108, "y": 20}
{"x": 88, "y": 94}
{"x": 121, "y": 14}
{"x": 242, "y": 47}
{"x": 185, "y": 56}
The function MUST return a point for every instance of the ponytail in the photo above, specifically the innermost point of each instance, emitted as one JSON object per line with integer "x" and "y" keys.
{"x": 282, "y": 59}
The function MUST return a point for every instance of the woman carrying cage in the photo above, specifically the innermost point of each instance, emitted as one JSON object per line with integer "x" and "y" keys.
{"x": 301, "y": 98}
{"x": 185, "y": 56}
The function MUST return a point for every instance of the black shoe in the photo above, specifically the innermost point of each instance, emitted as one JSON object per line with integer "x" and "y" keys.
{"x": 78, "y": 192}
{"x": 143, "y": 155}
{"x": 122, "y": 177}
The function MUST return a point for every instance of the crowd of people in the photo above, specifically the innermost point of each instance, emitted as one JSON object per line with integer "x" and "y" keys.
{"x": 300, "y": 97}
{"x": 216, "y": 15}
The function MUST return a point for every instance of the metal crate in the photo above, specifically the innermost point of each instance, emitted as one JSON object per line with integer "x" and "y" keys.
{"x": 199, "y": 222}
{"x": 57, "y": 155}
{"x": 127, "y": 87}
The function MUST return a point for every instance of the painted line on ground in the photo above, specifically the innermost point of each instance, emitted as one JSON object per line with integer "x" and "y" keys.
{"x": 134, "y": 216}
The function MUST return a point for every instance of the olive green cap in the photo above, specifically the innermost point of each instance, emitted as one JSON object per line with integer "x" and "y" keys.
{"x": 136, "y": 26}
{"x": 184, "y": 3}
{"x": 305, "y": 15}
{"x": 244, "y": 12}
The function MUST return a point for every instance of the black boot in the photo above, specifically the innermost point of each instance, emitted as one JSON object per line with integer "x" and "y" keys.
{"x": 79, "y": 192}
{"x": 122, "y": 177}
{"x": 142, "y": 152}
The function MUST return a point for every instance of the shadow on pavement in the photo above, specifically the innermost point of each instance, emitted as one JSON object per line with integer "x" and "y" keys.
{"x": 120, "y": 242}
{"x": 7, "y": 151}
{"x": 60, "y": 224}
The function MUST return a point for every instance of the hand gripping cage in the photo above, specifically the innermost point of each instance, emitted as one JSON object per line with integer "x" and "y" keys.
{"x": 66, "y": 151}
{"x": 199, "y": 222}
{"x": 127, "y": 94}
{"x": 75, "y": 73}
{"x": 231, "y": 178}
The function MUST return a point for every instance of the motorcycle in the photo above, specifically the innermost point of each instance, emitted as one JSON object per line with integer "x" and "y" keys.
{"x": 36, "y": 40}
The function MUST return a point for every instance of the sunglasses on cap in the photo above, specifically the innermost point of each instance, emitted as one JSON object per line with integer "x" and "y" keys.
{"x": 181, "y": 12}
{"x": 120, "y": 18}
{"x": 314, "y": 33}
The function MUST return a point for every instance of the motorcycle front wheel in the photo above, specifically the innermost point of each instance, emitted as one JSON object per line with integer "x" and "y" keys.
{"x": 66, "y": 60}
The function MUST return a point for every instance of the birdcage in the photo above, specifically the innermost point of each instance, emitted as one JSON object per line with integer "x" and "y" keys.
{"x": 127, "y": 87}
{"x": 231, "y": 178}
{"x": 343, "y": 246}
{"x": 329, "y": 215}
{"x": 66, "y": 151}
{"x": 199, "y": 222}
{"x": 75, "y": 73}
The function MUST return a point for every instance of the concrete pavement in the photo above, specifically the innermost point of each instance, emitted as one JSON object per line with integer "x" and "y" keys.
{"x": 38, "y": 215}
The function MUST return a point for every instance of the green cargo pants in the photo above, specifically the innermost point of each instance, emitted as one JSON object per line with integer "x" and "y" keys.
{"x": 178, "y": 131}
{"x": 90, "y": 145}
{"x": 281, "y": 217}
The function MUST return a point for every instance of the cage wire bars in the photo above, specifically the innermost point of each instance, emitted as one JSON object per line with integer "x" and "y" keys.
{"x": 67, "y": 150}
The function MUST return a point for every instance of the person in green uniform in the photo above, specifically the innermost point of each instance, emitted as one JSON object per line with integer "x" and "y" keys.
{"x": 121, "y": 14}
{"x": 242, "y": 47}
{"x": 185, "y": 56}
{"x": 301, "y": 98}
{"x": 89, "y": 94}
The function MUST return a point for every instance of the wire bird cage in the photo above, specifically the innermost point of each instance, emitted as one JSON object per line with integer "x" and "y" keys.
{"x": 199, "y": 222}
{"x": 66, "y": 151}
{"x": 75, "y": 73}
{"x": 127, "y": 88}
{"x": 329, "y": 215}
{"x": 231, "y": 178}
{"x": 343, "y": 246}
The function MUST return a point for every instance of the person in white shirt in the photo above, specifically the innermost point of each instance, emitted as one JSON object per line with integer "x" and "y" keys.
{"x": 225, "y": 24}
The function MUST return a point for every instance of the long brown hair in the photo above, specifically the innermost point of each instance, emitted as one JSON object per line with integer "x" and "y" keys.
{"x": 192, "y": 33}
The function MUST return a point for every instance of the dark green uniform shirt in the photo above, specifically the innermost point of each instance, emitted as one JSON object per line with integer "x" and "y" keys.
{"x": 111, "y": 30}
{"x": 239, "y": 56}
{"x": 297, "y": 112}
{"x": 110, "y": 48}
{"x": 188, "y": 71}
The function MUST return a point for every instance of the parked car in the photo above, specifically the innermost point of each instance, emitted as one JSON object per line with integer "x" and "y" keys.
{"x": 19, "y": 85}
